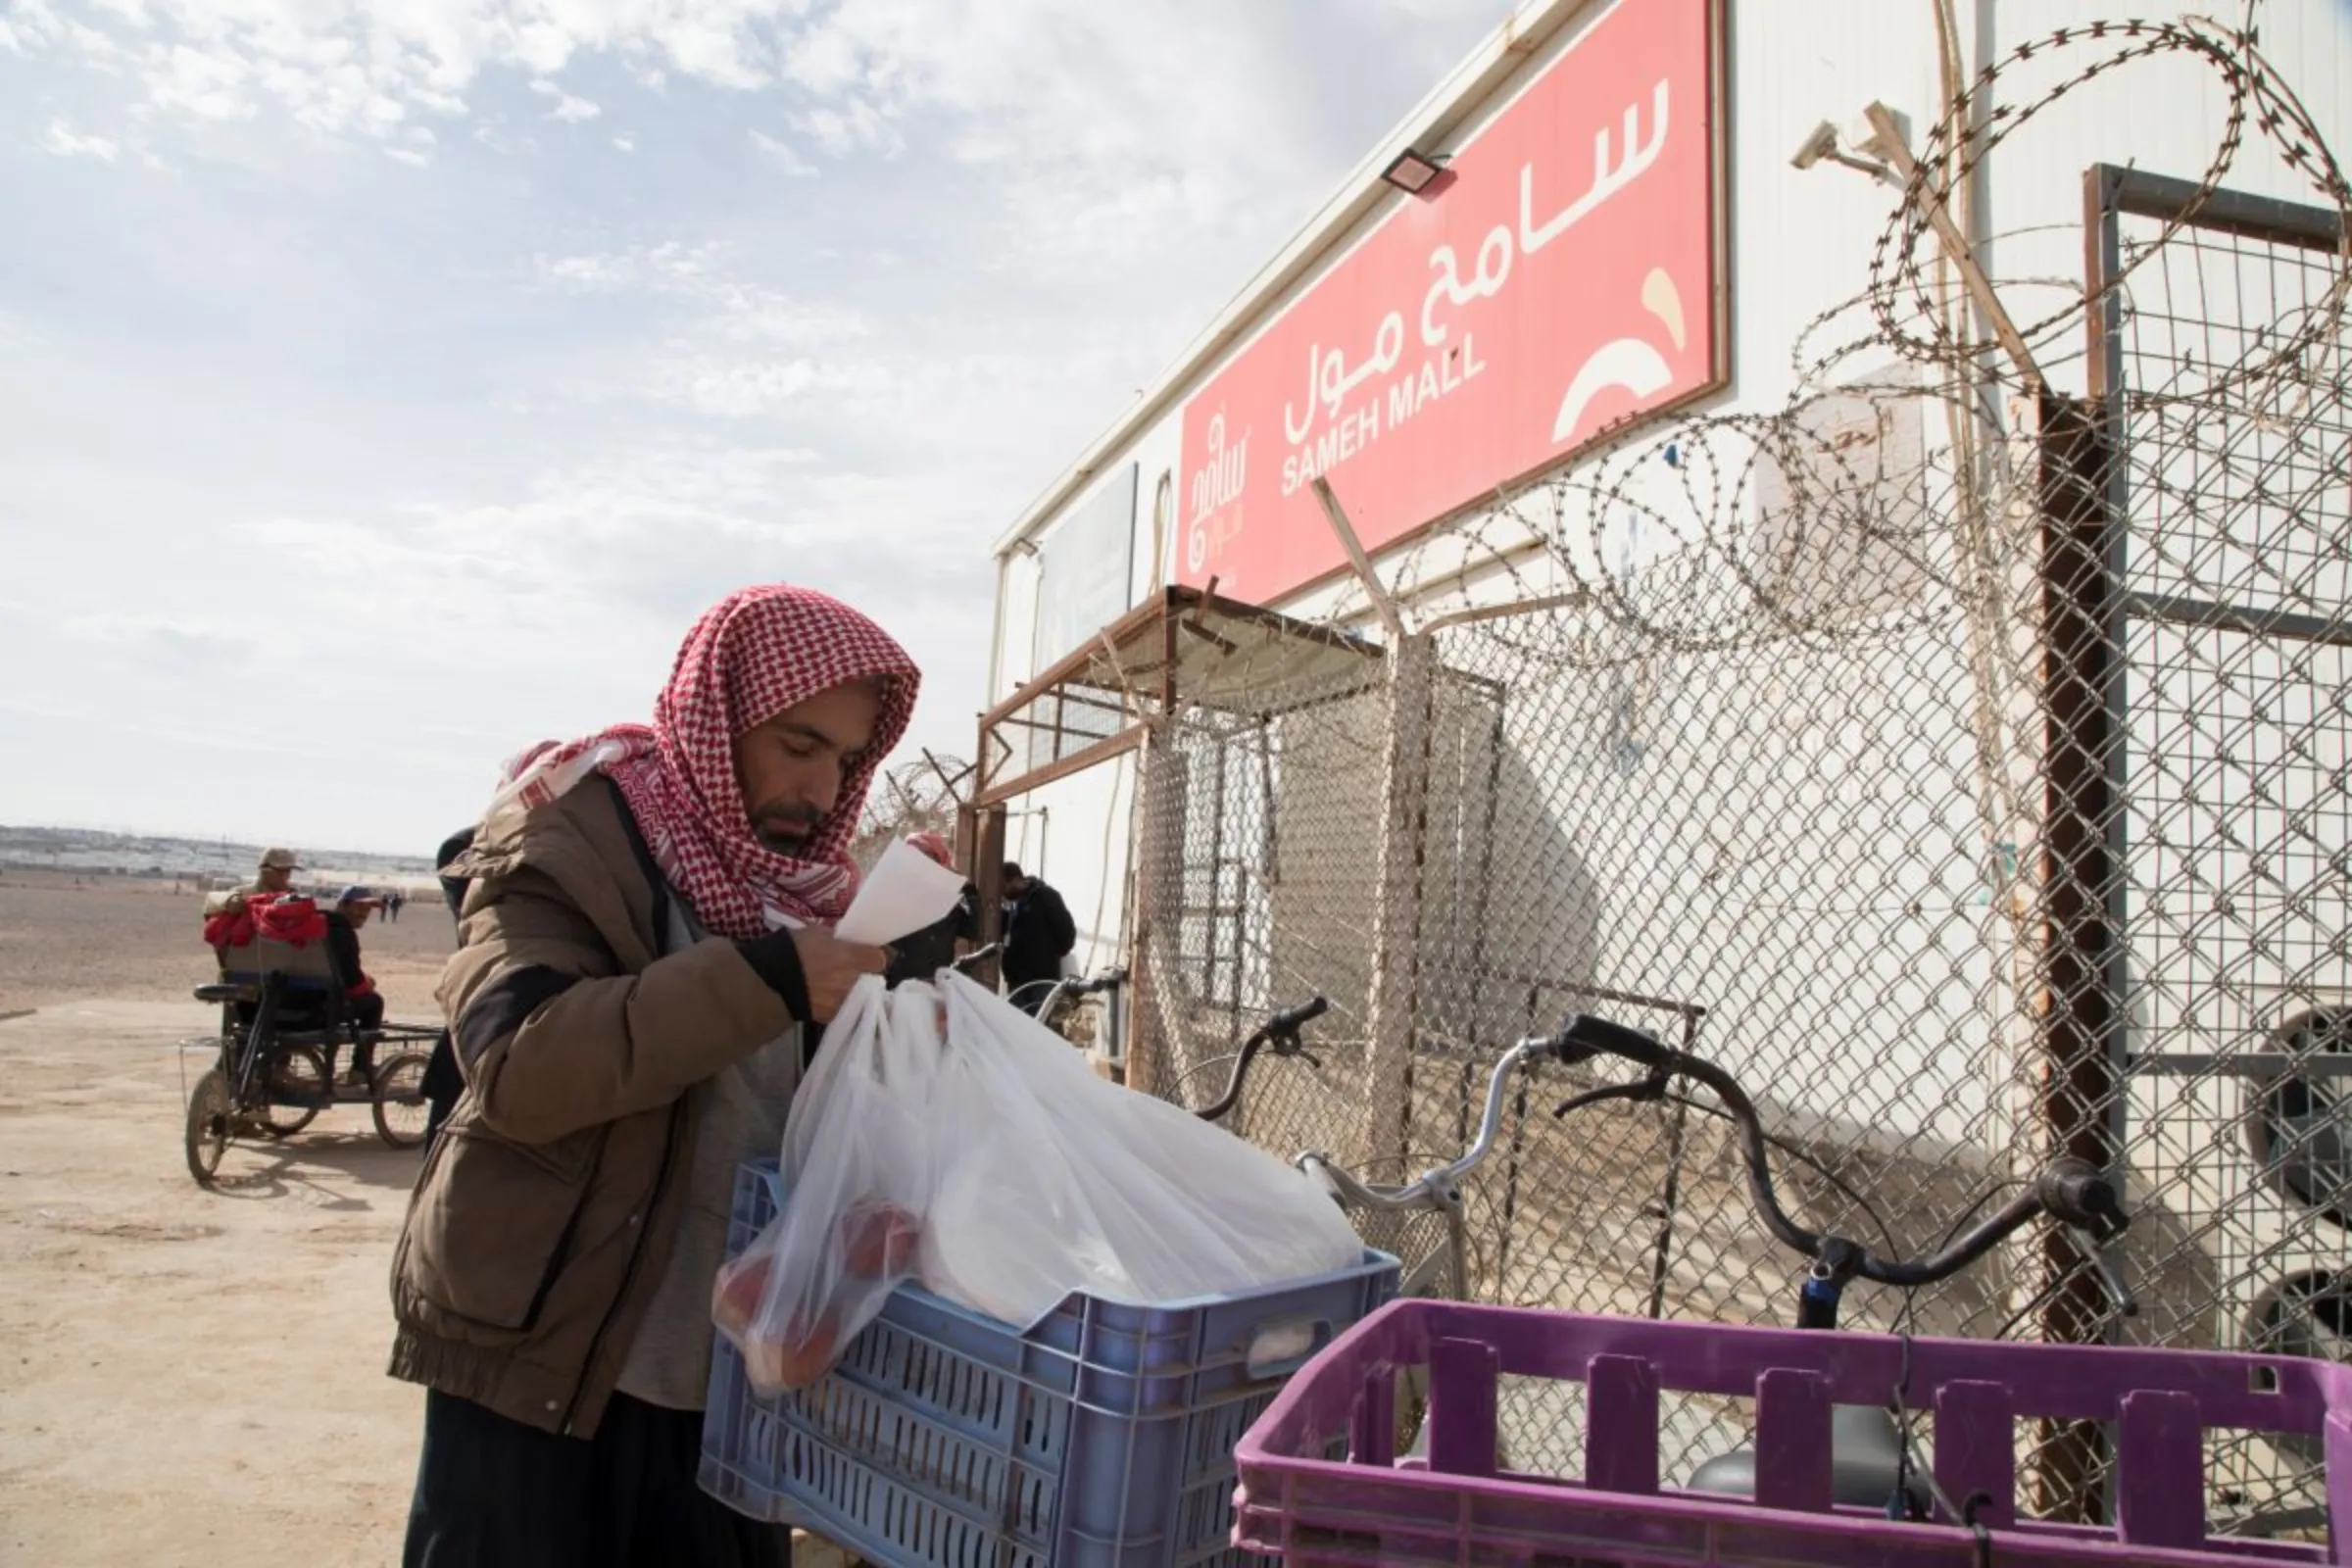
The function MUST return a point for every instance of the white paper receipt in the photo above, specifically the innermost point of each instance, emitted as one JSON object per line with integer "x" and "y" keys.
{"x": 905, "y": 890}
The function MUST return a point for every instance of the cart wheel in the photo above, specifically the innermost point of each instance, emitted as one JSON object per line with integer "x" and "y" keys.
{"x": 400, "y": 1111}
{"x": 209, "y": 1115}
{"x": 298, "y": 1073}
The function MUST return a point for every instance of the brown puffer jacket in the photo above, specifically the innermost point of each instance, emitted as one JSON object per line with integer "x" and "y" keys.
{"x": 546, "y": 1207}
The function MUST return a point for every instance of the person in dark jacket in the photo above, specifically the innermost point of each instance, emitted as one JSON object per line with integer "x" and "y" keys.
{"x": 924, "y": 954}
{"x": 362, "y": 1004}
{"x": 1039, "y": 934}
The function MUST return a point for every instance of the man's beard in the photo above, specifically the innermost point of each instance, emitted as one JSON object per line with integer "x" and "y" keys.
{"x": 785, "y": 829}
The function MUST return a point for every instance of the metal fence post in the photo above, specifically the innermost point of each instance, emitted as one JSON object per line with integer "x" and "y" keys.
{"x": 1156, "y": 984}
{"x": 1396, "y": 898}
{"x": 2080, "y": 1014}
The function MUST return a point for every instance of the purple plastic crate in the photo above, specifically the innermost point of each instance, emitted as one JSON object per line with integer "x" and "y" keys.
{"x": 1312, "y": 1510}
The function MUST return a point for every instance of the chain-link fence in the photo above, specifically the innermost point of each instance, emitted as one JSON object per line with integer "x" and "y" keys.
{"x": 1960, "y": 762}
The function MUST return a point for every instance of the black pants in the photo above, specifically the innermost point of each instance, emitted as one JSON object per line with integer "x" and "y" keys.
{"x": 443, "y": 1084}
{"x": 366, "y": 1012}
{"x": 495, "y": 1494}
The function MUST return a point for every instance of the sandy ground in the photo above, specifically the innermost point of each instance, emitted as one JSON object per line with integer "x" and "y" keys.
{"x": 186, "y": 1377}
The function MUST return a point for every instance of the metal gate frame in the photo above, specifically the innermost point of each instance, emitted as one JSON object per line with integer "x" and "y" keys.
{"x": 2084, "y": 970}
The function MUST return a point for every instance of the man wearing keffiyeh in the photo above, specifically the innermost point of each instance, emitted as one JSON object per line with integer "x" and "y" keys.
{"x": 644, "y": 958}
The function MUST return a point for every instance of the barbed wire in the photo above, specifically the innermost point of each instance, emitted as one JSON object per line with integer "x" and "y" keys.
{"x": 913, "y": 797}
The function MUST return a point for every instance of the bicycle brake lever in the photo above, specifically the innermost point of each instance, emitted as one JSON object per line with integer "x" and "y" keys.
{"x": 2125, "y": 1304}
{"x": 1286, "y": 1046}
{"x": 1643, "y": 1091}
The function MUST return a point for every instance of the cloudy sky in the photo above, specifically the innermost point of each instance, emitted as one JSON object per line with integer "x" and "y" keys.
{"x": 387, "y": 384}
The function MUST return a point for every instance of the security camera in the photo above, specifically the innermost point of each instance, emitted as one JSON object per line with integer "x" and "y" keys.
{"x": 1819, "y": 143}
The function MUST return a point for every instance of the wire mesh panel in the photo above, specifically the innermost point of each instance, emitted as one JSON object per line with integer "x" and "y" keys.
{"x": 1960, "y": 763}
{"x": 2228, "y": 363}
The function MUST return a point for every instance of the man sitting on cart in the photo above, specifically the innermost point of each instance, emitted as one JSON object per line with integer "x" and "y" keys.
{"x": 273, "y": 878}
{"x": 362, "y": 1004}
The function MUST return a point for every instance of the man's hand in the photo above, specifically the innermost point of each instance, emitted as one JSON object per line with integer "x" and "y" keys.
{"x": 831, "y": 966}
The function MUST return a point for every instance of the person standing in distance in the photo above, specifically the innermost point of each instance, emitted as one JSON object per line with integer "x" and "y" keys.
{"x": 1039, "y": 934}
{"x": 645, "y": 956}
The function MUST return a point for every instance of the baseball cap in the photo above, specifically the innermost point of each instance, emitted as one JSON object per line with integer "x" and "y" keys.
{"x": 280, "y": 859}
{"x": 355, "y": 895}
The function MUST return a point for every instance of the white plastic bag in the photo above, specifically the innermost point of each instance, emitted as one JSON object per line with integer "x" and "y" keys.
{"x": 1053, "y": 1180}
{"x": 857, "y": 1175}
{"x": 998, "y": 1170}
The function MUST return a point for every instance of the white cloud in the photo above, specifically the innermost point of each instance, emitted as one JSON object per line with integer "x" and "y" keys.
{"x": 727, "y": 387}
{"x": 736, "y": 348}
{"x": 1108, "y": 91}
{"x": 851, "y": 128}
{"x": 626, "y": 144}
{"x": 572, "y": 110}
{"x": 783, "y": 156}
{"x": 709, "y": 277}
{"x": 65, "y": 142}
{"x": 493, "y": 134}
{"x": 669, "y": 266}
{"x": 632, "y": 531}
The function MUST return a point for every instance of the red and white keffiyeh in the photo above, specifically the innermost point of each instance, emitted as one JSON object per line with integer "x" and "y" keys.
{"x": 750, "y": 656}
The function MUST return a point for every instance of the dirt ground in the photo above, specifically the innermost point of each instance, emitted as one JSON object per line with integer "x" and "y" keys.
{"x": 187, "y": 1378}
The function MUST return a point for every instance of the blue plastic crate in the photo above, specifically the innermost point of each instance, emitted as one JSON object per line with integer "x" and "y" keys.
{"x": 1103, "y": 1437}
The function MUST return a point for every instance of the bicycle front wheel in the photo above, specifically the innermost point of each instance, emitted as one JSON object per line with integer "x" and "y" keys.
{"x": 401, "y": 1112}
{"x": 298, "y": 1073}
{"x": 209, "y": 1114}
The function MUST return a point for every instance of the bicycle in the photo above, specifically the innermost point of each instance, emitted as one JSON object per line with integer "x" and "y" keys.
{"x": 1871, "y": 1453}
{"x": 1061, "y": 1001}
{"x": 1437, "y": 1190}
{"x": 1281, "y": 1032}
{"x": 1870, "y": 1447}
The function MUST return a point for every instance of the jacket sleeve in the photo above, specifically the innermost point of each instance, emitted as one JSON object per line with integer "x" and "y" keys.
{"x": 344, "y": 943}
{"x": 1057, "y": 921}
{"x": 922, "y": 955}
{"x": 554, "y": 1039}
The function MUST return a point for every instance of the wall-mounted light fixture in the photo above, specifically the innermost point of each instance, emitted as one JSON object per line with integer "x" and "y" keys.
{"x": 1413, "y": 172}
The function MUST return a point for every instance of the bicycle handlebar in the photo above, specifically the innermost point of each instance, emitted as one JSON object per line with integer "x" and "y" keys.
{"x": 1286, "y": 1023}
{"x": 2070, "y": 1191}
{"x": 1443, "y": 1180}
{"x": 1280, "y": 1031}
{"x": 1107, "y": 980}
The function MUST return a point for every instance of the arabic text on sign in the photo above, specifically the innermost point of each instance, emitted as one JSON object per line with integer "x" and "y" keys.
{"x": 1329, "y": 379}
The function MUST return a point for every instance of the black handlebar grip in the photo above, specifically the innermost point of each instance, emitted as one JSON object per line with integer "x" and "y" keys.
{"x": 1586, "y": 1035}
{"x": 1286, "y": 1021}
{"x": 2077, "y": 1193}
